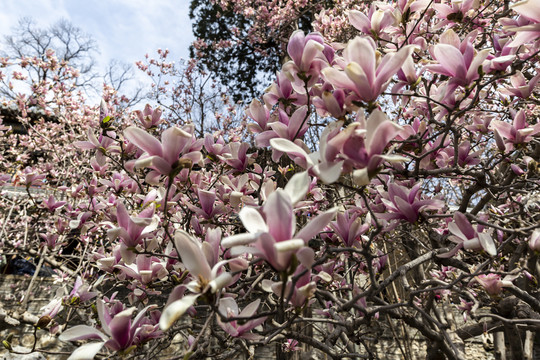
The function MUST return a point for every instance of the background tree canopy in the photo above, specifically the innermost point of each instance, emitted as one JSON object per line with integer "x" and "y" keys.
{"x": 226, "y": 46}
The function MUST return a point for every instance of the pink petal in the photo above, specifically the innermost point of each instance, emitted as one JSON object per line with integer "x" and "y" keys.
{"x": 380, "y": 131}
{"x": 406, "y": 209}
{"x": 311, "y": 49}
{"x": 174, "y": 141}
{"x": 359, "y": 20}
{"x": 298, "y": 186}
{"x": 363, "y": 87}
{"x": 472, "y": 73}
{"x": 295, "y": 48}
{"x": 297, "y": 123}
{"x": 207, "y": 200}
{"x": 451, "y": 59}
{"x": 279, "y": 216}
{"x": 120, "y": 327}
{"x": 528, "y": 8}
{"x": 251, "y": 309}
{"x": 390, "y": 65}
{"x": 143, "y": 140}
{"x": 362, "y": 52}
{"x": 291, "y": 149}
{"x": 122, "y": 216}
{"x": 464, "y": 225}
{"x": 338, "y": 78}
{"x": 316, "y": 225}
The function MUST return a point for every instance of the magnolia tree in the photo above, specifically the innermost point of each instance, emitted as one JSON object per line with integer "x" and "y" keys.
{"x": 391, "y": 194}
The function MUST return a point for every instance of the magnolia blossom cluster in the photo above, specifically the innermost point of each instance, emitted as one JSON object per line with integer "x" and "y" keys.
{"x": 380, "y": 180}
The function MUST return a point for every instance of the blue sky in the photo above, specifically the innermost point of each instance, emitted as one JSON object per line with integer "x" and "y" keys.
{"x": 124, "y": 29}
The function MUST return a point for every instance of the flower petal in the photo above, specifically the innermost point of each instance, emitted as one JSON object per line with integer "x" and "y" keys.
{"x": 252, "y": 220}
{"x": 143, "y": 140}
{"x": 298, "y": 186}
{"x": 192, "y": 255}
{"x": 316, "y": 225}
{"x": 82, "y": 332}
{"x": 175, "y": 310}
{"x": 86, "y": 351}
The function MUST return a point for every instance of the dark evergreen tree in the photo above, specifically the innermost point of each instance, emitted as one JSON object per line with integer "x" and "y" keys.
{"x": 242, "y": 65}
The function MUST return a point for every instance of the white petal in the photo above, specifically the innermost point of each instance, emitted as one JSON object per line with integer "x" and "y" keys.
{"x": 361, "y": 177}
{"x": 252, "y": 220}
{"x": 289, "y": 147}
{"x": 298, "y": 186}
{"x": 192, "y": 255}
{"x": 487, "y": 243}
{"x": 81, "y": 332}
{"x": 329, "y": 172}
{"x": 175, "y": 310}
{"x": 220, "y": 282}
{"x": 86, "y": 351}
{"x": 324, "y": 276}
{"x": 289, "y": 245}
{"x": 238, "y": 240}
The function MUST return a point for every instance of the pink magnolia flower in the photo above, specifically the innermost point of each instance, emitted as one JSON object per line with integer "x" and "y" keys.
{"x": 50, "y": 239}
{"x": 491, "y": 283}
{"x": 149, "y": 117}
{"x": 80, "y": 292}
{"x": 51, "y": 204}
{"x": 457, "y": 59}
{"x": 146, "y": 269}
{"x": 30, "y": 178}
{"x": 519, "y": 132}
{"x": 349, "y": 227}
{"x": 466, "y": 307}
{"x": 375, "y": 22}
{"x": 214, "y": 146}
{"x": 520, "y": 86}
{"x": 281, "y": 91}
{"x": 358, "y": 148}
{"x": 272, "y": 234}
{"x": 529, "y": 9}
{"x": 237, "y": 158}
{"x": 118, "y": 331}
{"x": 330, "y": 102}
{"x": 445, "y": 157}
{"x": 405, "y": 203}
{"x": 362, "y": 72}
{"x": 454, "y": 13}
{"x": 209, "y": 207}
{"x": 307, "y": 59}
{"x": 362, "y": 143}
{"x": 165, "y": 157}
{"x": 204, "y": 277}
{"x": 297, "y": 292}
{"x": 258, "y": 112}
{"x": 291, "y": 345}
{"x": 239, "y": 328}
{"x": 119, "y": 182}
{"x": 103, "y": 143}
{"x": 132, "y": 230}
{"x": 407, "y": 75}
{"x": 467, "y": 237}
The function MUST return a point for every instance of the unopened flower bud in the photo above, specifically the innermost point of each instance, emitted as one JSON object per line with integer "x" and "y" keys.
{"x": 43, "y": 321}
